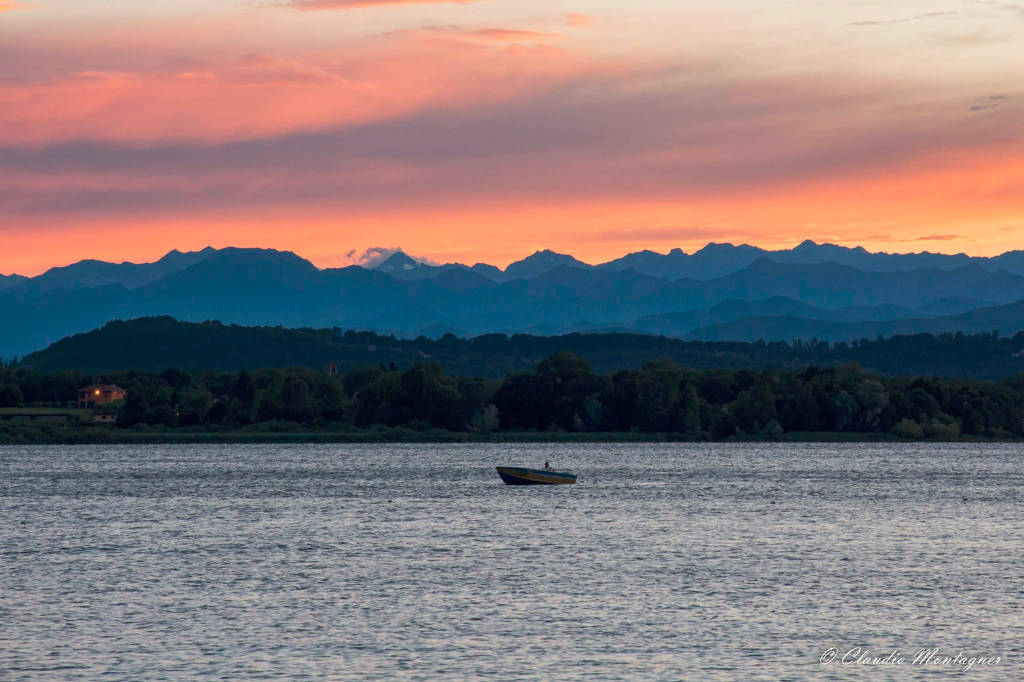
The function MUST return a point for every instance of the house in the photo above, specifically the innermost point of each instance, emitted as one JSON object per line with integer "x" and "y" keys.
{"x": 100, "y": 394}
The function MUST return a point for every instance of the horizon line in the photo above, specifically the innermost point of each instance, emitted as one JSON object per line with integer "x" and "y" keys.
{"x": 388, "y": 252}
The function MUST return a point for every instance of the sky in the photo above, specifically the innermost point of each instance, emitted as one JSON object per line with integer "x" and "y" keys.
{"x": 483, "y": 130}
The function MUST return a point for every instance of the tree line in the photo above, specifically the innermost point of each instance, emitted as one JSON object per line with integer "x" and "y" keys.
{"x": 155, "y": 343}
{"x": 561, "y": 393}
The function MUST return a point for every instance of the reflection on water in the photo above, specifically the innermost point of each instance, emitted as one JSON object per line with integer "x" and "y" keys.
{"x": 413, "y": 561}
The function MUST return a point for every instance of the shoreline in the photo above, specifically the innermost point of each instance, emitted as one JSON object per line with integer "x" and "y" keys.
{"x": 101, "y": 436}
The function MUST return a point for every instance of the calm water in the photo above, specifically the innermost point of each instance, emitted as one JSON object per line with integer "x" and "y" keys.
{"x": 414, "y": 561}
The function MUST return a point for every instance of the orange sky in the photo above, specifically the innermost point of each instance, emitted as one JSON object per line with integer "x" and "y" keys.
{"x": 483, "y": 131}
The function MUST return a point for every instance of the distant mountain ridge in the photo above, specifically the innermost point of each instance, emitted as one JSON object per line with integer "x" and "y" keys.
{"x": 547, "y": 293}
{"x": 1005, "y": 319}
{"x": 157, "y": 343}
{"x": 710, "y": 262}
{"x": 8, "y": 281}
{"x": 717, "y": 260}
{"x": 683, "y": 323}
{"x": 96, "y": 273}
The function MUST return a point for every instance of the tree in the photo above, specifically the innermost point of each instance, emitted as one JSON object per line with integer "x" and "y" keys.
{"x": 328, "y": 396}
{"x": 517, "y": 402}
{"x": 148, "y": 402}
{"x": 754, "y": 408}
{"x": 194, "y": 405}
{"x": 296, "y": 400}
{"x": 619, "y": 402}
{"x": 376, "y": 402}
{"x": 691, "y": 411}
{"x": 11, "y": 396}
{"x": 907, "y": 428}
{"x": 243, "y": 389}
{"x": 218, "y": 413}
{"x": 563, "y": 383}
{"x": 658, "y": 397}
{"x": 486, "y": 421}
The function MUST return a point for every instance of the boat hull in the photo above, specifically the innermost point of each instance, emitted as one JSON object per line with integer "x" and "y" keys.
{"x": 521, "y": 476}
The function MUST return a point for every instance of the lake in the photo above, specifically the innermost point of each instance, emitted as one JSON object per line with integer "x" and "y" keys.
{"x": 665, "y": 561}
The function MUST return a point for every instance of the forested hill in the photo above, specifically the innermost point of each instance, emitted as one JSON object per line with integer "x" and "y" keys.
{"x": 156, "y": 343}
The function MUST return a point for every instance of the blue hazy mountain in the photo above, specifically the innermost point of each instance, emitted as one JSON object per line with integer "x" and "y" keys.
{"x": 831, "y": 285}
{"x": 1006, "y": 319}
{"x": 718, "y": 260}
{"x": 8, "y": 281}
{"x": 541, "y": 262}
{"x": 545, "y": 292}
{"x": 96, "y": 273}
{"x": 401, "y": 266}
{"x": 683, "y": 323}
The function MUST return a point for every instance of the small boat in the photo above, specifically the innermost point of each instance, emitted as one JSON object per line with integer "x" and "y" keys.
{"x": 521, "y": 476}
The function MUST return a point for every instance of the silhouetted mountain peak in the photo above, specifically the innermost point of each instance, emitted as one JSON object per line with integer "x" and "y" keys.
{"x": 489, "y": 271}
{"x": 12, "y": 280}
{"x": 726, "y": 247}
{"x": 242, "y": 265}
{"x": 540, "y": 262}
{"x": 400, "y": 262}
{"x": 549, "y": 256}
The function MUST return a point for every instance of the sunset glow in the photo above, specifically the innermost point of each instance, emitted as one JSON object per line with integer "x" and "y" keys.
{"x": 482, "y": 131}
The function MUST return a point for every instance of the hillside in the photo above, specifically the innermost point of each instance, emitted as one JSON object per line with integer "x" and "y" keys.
{"x": 155, "y": 344}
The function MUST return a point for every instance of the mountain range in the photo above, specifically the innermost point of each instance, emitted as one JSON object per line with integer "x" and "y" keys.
{"x": 721, "y": 292}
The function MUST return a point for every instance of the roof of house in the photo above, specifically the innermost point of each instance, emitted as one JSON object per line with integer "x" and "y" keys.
{"x": 105, "y": 388}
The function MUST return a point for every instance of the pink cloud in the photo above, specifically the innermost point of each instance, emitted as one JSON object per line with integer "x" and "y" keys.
{"x": 310, "y": 5}
{"x": 47, "y": 96}
{"x": 135, "y": 123}
{"x": 942, "y": 238}
{"x": 510, "y": 35}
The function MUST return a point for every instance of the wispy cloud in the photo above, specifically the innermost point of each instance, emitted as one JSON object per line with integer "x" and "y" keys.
{"x": 310, "y": 5}
{"x": 942, "y": 238}
{"x": 903, "y": 20}
{"x": 507, "y": 34}
{"x": 980, "y": 37}
{"x": 990, "y": 102}
{"x": 375, "y": 255}
{"x": 464, "y": 35}
{"x": 580, "y": 137}
{"x": 577, "y": 20}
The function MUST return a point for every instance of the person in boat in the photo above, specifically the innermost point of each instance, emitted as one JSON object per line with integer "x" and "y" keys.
{"x": 548, "y": 467}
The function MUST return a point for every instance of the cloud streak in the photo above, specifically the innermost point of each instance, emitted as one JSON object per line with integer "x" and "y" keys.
{"x": 903, "y": 20}
{"x": 314, "y": 5}
{"x": 669, "y": 131}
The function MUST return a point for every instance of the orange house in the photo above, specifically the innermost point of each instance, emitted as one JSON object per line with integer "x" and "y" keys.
{"x": 100, "y": 394}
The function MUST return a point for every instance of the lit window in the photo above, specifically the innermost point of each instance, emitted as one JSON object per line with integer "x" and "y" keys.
{"x": 97, "y": 391}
